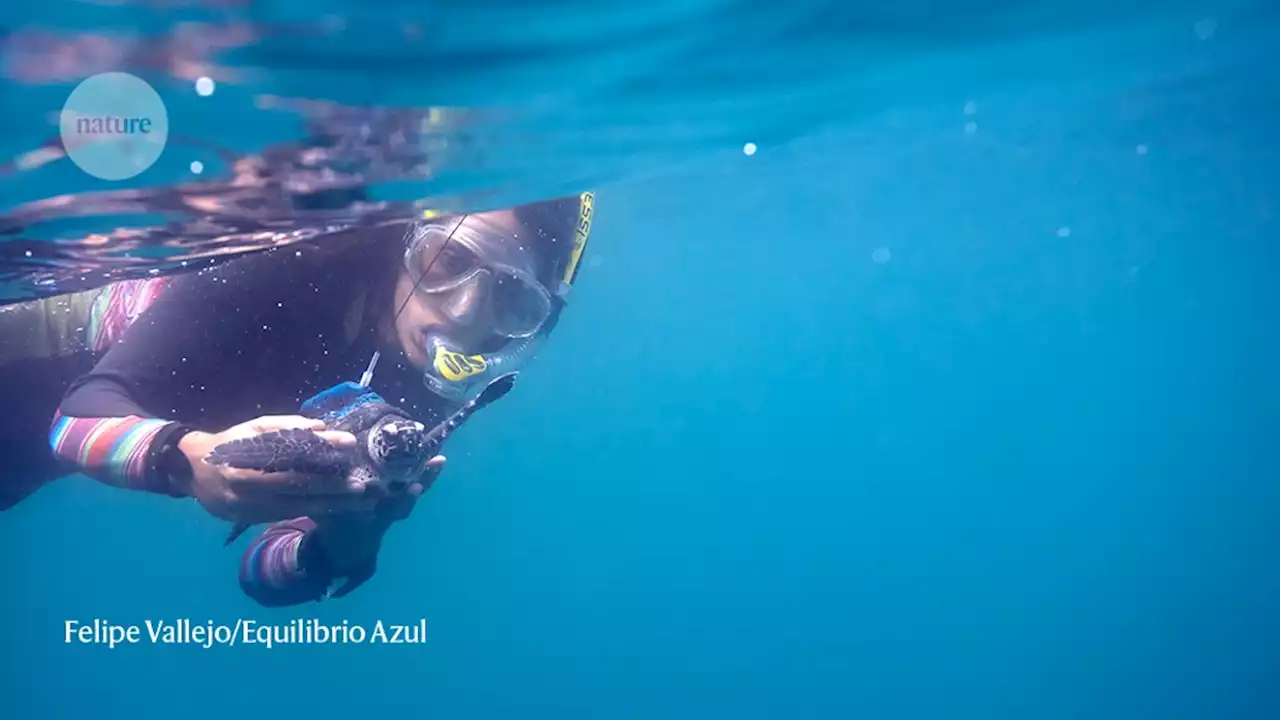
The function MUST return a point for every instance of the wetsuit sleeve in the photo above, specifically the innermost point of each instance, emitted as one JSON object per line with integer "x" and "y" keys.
{"x": 283, "y": 565}
{"x": 210, "y": 335}
{"x": 116, "y": 450}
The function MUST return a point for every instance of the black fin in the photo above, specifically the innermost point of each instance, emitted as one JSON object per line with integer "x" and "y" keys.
{"x": 236, "y": 531}
{"x": 358, "y": 576}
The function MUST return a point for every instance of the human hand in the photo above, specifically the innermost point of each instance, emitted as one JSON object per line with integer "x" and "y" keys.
{"x": 352, "y": 539}
{"x": 251, "y": 496}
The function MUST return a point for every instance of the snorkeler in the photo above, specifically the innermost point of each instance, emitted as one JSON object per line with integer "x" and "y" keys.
{"x": 183, "y": 364}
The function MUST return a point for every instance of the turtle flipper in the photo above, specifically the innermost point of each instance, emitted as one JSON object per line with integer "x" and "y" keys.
{"x": 496, "y": 388}
{"x": 289, "y": 450}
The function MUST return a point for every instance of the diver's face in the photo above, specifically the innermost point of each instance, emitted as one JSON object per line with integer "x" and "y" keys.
{"x": 461, "y": 313}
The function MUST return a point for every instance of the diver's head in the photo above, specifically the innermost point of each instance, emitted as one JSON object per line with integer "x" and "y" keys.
{"x": 478, "y": 291}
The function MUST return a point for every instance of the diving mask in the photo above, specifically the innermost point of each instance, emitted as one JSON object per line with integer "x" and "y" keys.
{"x": 460, "y": 259}
{"x": 483, "y": 264}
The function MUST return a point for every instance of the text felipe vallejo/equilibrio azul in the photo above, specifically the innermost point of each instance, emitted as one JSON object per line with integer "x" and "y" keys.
{"x": 241, "y": 632}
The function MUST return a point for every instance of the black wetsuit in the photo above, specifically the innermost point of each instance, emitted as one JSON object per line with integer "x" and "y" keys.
{"x": 253, "y": 336}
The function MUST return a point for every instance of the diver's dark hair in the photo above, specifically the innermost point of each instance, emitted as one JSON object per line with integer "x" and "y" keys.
{"x": 551, "y": 226}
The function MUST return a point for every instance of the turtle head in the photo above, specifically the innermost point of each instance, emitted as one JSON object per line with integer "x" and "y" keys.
{"x": 399, "y": 448}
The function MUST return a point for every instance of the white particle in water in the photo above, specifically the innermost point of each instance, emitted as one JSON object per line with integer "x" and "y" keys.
{"x": 27, "y": 253}
{"x": 1064, "y": 232}
{"x": 749, "y": 149}
{"x": 970, "y": 128}
{"x": 880, "y": 256}
{"x": 970, "y": 108}
{"x": 197, "y": 167}
{"x": 1205, "y": 28}
{"x": 204, "y": 86}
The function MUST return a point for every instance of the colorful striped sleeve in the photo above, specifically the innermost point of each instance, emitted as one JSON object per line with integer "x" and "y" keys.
{"x": 277, "y": 569}
{"x": 116, "y": 451}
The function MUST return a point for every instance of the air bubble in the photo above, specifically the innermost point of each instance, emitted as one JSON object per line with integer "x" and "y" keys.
{"x": 1205, "y": 28}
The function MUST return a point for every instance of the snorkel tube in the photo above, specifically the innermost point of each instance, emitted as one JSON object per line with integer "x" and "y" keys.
{"x": 458, "y": 377}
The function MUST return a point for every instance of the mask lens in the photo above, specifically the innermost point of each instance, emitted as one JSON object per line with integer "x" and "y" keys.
{"x": 520, "y": 306}
{"x": 440, "y": 264}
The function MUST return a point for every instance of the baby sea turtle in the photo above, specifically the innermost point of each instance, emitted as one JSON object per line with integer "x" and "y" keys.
{"x": 391, "y": 450}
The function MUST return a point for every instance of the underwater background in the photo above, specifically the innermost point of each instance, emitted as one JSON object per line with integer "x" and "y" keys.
{"x": 961, "y": 406}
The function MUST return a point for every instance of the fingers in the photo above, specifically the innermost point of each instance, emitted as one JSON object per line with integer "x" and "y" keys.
{"x": 433, "y": 468}
{"x": 271, "y": 423}
{"x": 269, "y": 510}
{"x": 314, "y": 506}
{"x": 398, "y": 506}
{"x": 339, "y": 438}
{"x": 251, "y": 482}
{"x": 284, "y": 495}
{"x": 429, "y": 474}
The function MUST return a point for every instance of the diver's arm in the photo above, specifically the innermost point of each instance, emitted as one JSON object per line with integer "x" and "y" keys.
{"x": 127, "y": 451}
{"x": 284, "y": 565}
{"x": 118, "y": 423}
{"x": 298, "y": 560}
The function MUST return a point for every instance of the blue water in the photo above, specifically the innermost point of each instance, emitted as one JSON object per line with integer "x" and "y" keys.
{"x": 957, "y": 408}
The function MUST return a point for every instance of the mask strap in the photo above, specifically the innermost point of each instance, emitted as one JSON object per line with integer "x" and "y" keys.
{"x": 367, "y": 377}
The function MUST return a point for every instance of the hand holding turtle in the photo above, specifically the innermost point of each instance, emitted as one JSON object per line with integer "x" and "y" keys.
{"x": 251, "y": 496}
{"x": 387, "y": 450}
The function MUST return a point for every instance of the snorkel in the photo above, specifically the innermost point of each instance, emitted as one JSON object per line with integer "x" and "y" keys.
{"x": 456, "y": 377}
